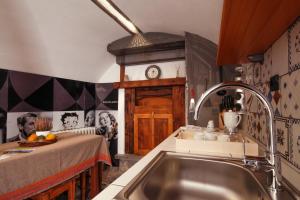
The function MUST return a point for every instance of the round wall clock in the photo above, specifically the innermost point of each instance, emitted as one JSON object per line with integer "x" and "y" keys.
{"x": 153, "y": 72}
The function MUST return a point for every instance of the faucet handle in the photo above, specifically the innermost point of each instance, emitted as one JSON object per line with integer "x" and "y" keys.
{"x": 255, "y": 161}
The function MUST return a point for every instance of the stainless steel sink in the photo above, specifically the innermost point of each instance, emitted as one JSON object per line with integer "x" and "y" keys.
{"x": 181, "y": 176}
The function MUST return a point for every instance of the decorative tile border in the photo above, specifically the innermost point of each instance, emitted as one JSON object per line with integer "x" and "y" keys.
{"x": 294, "y": 68}
{"x": 287, "y": 131}
{"x": 294, "y": 46}
{"x": 282, "y": 135}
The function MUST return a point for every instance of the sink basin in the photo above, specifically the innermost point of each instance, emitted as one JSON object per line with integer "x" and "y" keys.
{"x": 181, "y": 176}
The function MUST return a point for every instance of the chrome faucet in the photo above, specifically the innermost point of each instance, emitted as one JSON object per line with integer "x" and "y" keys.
{"x": 271, "y": 153}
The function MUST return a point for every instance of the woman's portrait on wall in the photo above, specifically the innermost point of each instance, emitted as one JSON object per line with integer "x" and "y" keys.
{"x": 107, "y": 126}
{"x": 89, "y": 120}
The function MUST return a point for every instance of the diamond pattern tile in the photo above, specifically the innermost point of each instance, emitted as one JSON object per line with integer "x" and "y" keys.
{"x": 276, "y": 102}
{"x": 259, "y": 127}
{"x": 251, "y": 103}
{"x": 265, "y": 134}
{"x": 276, "y": 96}
{"x": 254, "y": 123}
{"x": 251, "y": 124}
{"x": 290, "y": 85}
{"x": 248, "y": 73}
{"x": 282, "y": 138}
{"x": 249, "y": 127}
{"x": 295, "y": 145}
{"x": 283, "y": 59}
{"x": 266, "y": 90}
{"x": 248, "y": 99}
{"x": 257, "y": 73}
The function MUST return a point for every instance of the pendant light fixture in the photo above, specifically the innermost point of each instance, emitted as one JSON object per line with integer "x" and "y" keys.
{"x": 112, "y": 10}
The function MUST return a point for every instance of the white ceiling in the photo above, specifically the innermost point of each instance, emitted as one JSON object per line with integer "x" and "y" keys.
{"x": 64, "y": 38}
{"x": 202, "y": 17}
{"x": 68, "y": 38}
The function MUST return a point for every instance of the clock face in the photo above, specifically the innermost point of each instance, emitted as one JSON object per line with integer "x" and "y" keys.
{"x": 153, "y": 72}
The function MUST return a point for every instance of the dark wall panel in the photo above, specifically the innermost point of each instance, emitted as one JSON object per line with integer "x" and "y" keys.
{"x": 68, "y": 95}
{"x": 22, "y": 93}
{"x": 3, "y": 103}
{"x": 106, "y": 97}
{"x": 29, "y": 92}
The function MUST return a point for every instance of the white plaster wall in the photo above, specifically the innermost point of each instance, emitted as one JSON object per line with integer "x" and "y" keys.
{"x": 112, "y": 74}
{"x": 121, "y": 122}
{"x": 168, "y": 70}
{"x": 137, "y": 72}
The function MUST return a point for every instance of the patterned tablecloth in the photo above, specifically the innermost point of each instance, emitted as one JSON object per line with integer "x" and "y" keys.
{"x": 25, "y": 174}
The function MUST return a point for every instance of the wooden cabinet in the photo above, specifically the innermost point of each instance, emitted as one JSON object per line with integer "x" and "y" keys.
{"x": 150, "y": 130}
{"x": 252, "y": 26}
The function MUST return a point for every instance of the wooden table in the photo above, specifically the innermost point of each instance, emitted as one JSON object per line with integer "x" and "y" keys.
{"x": 25, "y": 174}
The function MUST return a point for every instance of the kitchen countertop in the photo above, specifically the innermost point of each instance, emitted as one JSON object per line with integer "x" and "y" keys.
{"x": 115, "y": 187}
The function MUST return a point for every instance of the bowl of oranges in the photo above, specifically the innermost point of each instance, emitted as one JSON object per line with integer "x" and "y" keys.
{"x": 34, "y": 140}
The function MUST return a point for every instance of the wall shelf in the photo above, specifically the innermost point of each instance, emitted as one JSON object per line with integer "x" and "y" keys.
{"x": 151, "y": 83}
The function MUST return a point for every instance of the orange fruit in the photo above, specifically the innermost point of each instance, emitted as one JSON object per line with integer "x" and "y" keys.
{"x": 33, "y": 137}
{"x": 50, "y": 136}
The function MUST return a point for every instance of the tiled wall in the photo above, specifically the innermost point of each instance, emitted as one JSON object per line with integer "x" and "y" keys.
{"x": 51, "y": 97}
{"x": 45, "y": 96}
{"x": 282, "y": 59}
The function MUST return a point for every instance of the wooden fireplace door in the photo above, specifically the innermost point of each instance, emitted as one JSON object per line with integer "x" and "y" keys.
{"x": 152, "y": 113}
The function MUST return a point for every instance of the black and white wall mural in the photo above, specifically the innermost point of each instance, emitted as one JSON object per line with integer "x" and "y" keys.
{"x": 68, "y": 120}
{"x": 21, "y": 124}
{"x": 106, "y": 97}
{"x": 68, "y": 104}
{"x": 107, "y": 125}
{"x": 89, "y": 118}
{"x": 24, "y": 97}
{"x": 107, "y": 115}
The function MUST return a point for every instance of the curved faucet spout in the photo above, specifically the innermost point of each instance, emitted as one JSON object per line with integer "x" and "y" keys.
{"x": 273, "y": 158}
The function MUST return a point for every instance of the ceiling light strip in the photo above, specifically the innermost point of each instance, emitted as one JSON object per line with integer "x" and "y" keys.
{"x": 112, "y": 10}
